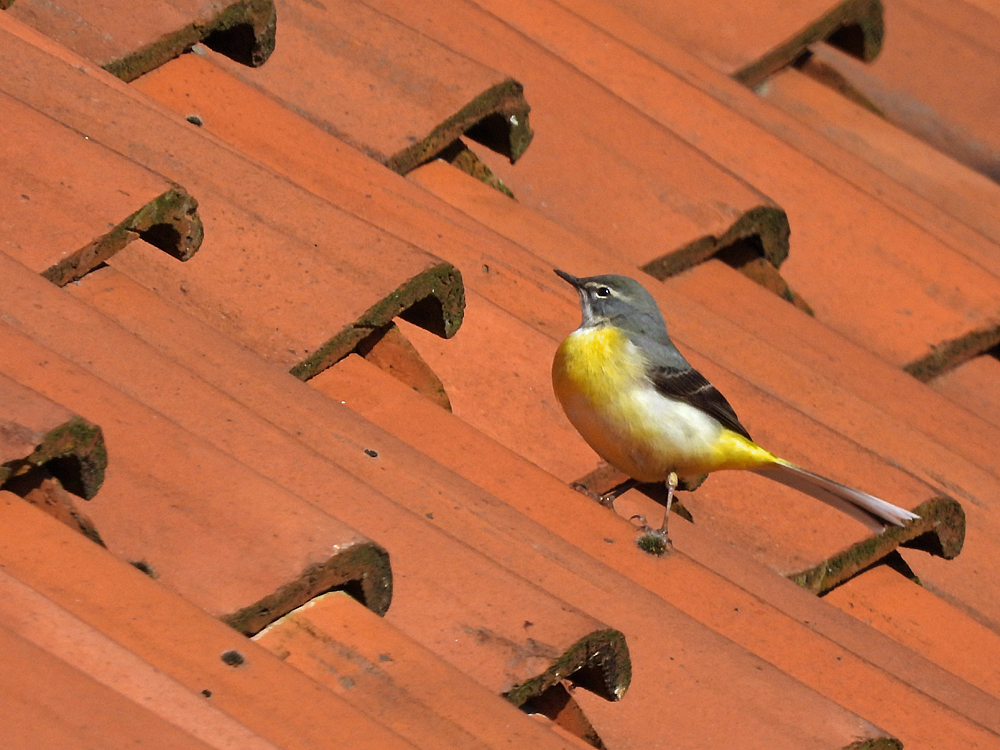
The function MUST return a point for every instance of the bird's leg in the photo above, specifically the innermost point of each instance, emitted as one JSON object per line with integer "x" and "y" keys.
{"x": 671, "y": 486}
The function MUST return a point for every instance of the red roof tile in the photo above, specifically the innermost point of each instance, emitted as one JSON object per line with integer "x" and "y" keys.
{"x": 477, "y": 400}
{"x": 427, "y": 560}
{"x": 751, "y": 612}
{"x": 239, "y": 677}
{"x": 849, "y": 251}
{"x": 394, "y": 471}
{"x": 129, "y": 40}
{"x": 47, "y": 703}
{"x": 375, "y": 667}
{"x": 85, "y": 647}
{"x": 923, "y": 81}
{"x": 390, "y": 92}
{"x": 504, "y": 576}
{"x": 962, "y": 193}
{"x": 103, "y": 200}
{"x": 973, "y": 386}
{"x": 912, "y": 615}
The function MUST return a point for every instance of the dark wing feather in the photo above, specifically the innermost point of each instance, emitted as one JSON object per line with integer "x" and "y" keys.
{"x": 690, "y": 386}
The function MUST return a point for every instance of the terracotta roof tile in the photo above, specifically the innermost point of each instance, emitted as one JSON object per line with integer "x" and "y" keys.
{"x": 973, "y": 386}
{"x": 103, "y": 200}
{"x": 635, "y": 186}
{"x": 912, "y": 615}
{"x": 427, "y": 560}
{"x": 848, "y": 249}
{"x": 176, "y": 515}
{"x": 751, "y": 598}
{"x": 409, "y": 611}
{"x": 251, "y": 216}
{"x": 948, "y": 184}
{"x": 477, "y": 400}
{"x": 753, "y": 40}
{"x": 39, "y": 434}
{"x": 207, "y": 657}
{"x": 115, "y": 35}
{"x": 44, "y": 623}
{"x": 46, "y": 702}
{"x": 374, "y": 666}
{"x": 507, "y": 581}
{"x": 392, "y": 93}
{"x": 921, "y": 80}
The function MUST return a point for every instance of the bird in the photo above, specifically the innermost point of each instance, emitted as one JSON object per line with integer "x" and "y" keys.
{"x": 644, "y": 409}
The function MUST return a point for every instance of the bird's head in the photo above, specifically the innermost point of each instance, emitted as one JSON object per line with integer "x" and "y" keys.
{"x": 615, "y": 300}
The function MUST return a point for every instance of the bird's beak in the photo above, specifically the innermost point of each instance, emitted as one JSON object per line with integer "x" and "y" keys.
{"x": 570, "y": 278}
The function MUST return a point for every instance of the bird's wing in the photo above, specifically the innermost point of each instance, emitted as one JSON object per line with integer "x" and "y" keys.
{"x": 684, "y": 383}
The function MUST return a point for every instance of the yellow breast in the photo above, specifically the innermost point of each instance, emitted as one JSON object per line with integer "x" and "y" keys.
{"x": 600, "y": 379}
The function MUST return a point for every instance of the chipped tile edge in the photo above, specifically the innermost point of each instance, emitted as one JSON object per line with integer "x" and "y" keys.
{"x": 940, "y": 531}
{"x": 598, "y": 662}
{"x": 769, "y": 223}
{"x": 170, "y": 222}
{"x": 258, "y": 15}
{"x": 77, "y": 439}
{"x": 855, "y": 26}
{"x": 433, "y": 299}
{"x": 361, "y": 569}
{"x": 503, "y": 105}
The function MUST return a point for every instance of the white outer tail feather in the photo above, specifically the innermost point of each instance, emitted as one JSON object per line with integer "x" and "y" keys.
{"x": 861, "y": 506}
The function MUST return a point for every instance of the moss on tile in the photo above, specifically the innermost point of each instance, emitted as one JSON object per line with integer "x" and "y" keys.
{"x": 940, "y": 531}
{"x": 855, "y": 26}
{"x": 243, "y": 30}
{"x": 599, "y": 662}
{"x": 74, "y": 452}
{"x": 362, "y": 570}
{"x": 498, "y": 118}
{"x": 950, "y": 354}
{"x": 767, "y": 224}
{"x": 170, "y": 222}
{"x": 433, "y": 299}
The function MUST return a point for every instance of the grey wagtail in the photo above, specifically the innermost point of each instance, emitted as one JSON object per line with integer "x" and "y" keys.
{"x": 647, "y": 412}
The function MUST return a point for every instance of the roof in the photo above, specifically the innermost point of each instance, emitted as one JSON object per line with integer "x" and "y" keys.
{"x": 280, "y": 461}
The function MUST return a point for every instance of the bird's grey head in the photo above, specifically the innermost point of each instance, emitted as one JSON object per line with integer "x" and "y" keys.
{"x": 618, "y": 300}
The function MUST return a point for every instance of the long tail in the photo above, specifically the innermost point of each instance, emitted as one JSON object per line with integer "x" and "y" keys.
{"x": 868, "y": 509}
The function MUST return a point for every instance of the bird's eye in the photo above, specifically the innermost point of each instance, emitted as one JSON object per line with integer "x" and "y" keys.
{"x": 602, "y": 291}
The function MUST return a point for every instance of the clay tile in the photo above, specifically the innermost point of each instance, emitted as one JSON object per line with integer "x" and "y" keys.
{"x": 442, "y": 501}
{"x": 317, "y": 305}
{"x": 849, "y": 250}
{"x": 635, "y": 188}
{"x": 387, "y": 675}
{"x": 921, "y": 82}
{"x": 177, "y": 638}
{"x": 792, "y": 623}
{"x": 498, "y": 649}
{"x": 942, "y": 444}
{"x": 953, "y": 187}
{"x": 914, "y": 616}
{"x": 973, "y": 386}
{"x": 47, "y": 703}
{"x": 129, "y": 40}
{"x": 73, "y": 203}
{"x": 755, "y": 39}
{"x": 394, "y": 94}
{"x": 47, "y": 453}
{"x": 38, "y": 433}
{"x": 44, "y": 623}
{"x": 174, "y": 516}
